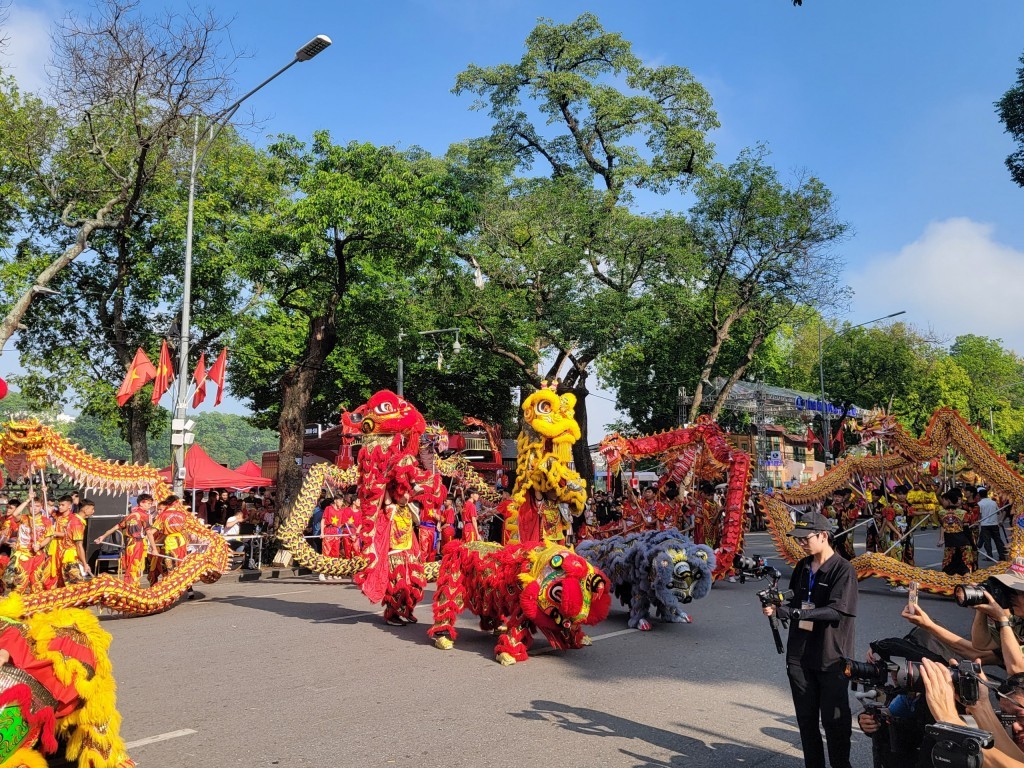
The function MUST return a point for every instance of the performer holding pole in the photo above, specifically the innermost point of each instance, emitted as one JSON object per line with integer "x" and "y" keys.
{"x": 133, "y": 528}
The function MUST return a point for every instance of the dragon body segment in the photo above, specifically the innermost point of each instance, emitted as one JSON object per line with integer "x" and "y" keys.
{"x": 947, "y": 428}
{"x": 663, "y": 570}
{"x": 702, "y": 450}
{"x": 548, "y": 492}
{"x": 516, "y": 590}
{"x": 28, "y": 446}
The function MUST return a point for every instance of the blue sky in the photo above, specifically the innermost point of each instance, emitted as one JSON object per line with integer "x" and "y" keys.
{"x": 891, "y": 104}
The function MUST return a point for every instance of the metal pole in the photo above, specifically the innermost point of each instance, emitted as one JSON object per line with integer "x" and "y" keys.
{"x": 210, "y": 135}
{"x": 401, "y": 366}
{"x": 181, "y": 406}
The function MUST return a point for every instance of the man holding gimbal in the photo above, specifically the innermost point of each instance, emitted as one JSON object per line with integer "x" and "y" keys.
{"x": 821, "y": 634}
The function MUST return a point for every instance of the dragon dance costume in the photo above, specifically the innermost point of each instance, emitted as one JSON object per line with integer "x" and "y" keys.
{"x": 959, "y": 553}
{"x": 168, "y": 530}
{"x": 65, "y": 566}
{"x": 28, "y": 570}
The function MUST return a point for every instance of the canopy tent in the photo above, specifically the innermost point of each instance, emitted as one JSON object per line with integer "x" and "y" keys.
{"x": 252, "y": 469}
{"x": 202, "y": 473}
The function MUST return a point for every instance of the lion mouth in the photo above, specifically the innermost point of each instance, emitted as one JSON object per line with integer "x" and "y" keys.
{"x": 561, "y": 632}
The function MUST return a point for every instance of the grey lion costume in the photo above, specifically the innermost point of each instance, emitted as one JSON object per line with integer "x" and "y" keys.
{"x": 663, "y": 569}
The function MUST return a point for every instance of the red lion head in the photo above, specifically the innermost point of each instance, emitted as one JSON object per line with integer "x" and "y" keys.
{"x": 384, "y": 414}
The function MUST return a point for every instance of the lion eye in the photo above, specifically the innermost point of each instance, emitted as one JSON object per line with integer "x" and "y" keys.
{"x": 596, "y": 584}
{"x": 702, "y": 555}
{"x": 544, "y": 407}
{"x": 384, "y": 407}
{"x": 556, "y": 561}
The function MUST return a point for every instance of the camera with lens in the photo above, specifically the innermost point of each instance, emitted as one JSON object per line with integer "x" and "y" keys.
{"x": 970, "y": 595}
{"x": 957, "y": 746}
{"x": 895, "y": 677}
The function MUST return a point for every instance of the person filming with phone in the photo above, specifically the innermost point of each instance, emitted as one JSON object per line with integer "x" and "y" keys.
{"x": 821, "y": 616}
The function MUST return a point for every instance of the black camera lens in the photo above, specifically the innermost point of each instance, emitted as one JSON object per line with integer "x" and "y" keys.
{"x": 866, "y": 672}
{"x": 969, "y": 595}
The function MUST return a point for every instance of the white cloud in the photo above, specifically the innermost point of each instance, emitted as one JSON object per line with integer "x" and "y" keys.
{"x": 955, "y": 279}
{"x": 28, "y": 46}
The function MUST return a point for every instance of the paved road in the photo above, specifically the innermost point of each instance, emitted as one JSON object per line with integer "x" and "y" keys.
{"x": 296, "y": 672}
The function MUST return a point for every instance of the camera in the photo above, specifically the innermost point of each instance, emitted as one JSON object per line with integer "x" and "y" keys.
{"x": 970, "y": 595}
{"x": 957, "y": 746}
{"x": 893, "y": 677}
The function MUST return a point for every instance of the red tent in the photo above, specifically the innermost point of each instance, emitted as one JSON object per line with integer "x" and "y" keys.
{"x": 252, "y": 469}
{"x": 202, "y": 473}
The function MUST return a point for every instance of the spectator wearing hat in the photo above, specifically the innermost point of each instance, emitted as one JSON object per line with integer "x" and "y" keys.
{"x": 821, "y": 635}
{"x": 990, "y": 528}
{"x": 1000, "y": 629}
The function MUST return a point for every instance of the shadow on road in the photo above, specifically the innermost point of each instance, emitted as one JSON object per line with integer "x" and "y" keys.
{"x": 719, "y": 750}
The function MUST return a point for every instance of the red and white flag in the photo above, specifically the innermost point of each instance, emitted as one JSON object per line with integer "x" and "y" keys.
{"x": 200, "y": 378}
{"x": 216, "y": 374}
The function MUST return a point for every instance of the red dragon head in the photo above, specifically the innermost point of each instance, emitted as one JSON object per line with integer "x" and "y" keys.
{"x": 562, "y": 592}
{"x": 384, "y": 414}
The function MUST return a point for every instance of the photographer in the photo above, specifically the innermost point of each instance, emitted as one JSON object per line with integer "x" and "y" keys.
{"x": 939, "y": 693}
{"x": 1001, "y": 629}
{"x": 821, "y": 634}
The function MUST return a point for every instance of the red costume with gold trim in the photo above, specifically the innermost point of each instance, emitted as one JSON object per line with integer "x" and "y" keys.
{"x": 330, "y": 531}
{"x": 133, "y": 556}
{"x": 169, "y": 531}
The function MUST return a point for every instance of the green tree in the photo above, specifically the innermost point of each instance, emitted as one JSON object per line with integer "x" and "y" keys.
{"x": 336, "y": 256}
{"x": 125, "y": 86}
{"x": 565, "y": 260}
{"x": 125, "y": 292}
{"x": 1010, "y": 109}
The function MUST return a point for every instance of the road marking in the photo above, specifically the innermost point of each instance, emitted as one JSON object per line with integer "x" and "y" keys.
{"x": 360, "y": 615}
{"x": 161, "y": 737}
{"x": 593, "y": 638}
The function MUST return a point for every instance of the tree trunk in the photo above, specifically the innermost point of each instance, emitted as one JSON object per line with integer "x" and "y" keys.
{"x": 721, "y": 336}
{"x": 137, "y": 427}
{"x": 580, "y": 451}
{"x": 296, "y": 394}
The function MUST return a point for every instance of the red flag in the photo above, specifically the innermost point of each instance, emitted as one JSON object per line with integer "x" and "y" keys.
{"x": 164, "y": 373}
{"x": 216, "y": 373}
{"x": 200, "y": 377}
{"x": 841, "y": 439}
{"x": 140, "y": 373}
{"x": 811, "y": 437}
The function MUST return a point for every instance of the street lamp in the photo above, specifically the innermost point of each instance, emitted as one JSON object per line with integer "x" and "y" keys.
{"x": 826, "y": 425}
{"x": 456, "y": 348}
{"x": 217, "y": 124}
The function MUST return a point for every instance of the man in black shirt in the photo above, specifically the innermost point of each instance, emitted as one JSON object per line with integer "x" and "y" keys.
{"x": 821, "y": 635}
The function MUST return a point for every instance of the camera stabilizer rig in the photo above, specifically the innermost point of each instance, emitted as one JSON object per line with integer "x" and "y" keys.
{"x": 757, "y": 568}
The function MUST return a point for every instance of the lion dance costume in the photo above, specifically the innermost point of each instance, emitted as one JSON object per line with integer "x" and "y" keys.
{"x": 393, "y": 492}
{"x": 654, "y": 569}
{"x": 534, "y": 581}
{"x": 57, "y": 684}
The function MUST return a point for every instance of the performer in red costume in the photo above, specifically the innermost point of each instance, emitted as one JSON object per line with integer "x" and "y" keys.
{"x": 428, "y": 535}
{"x": 133, "y": 527}
{"x": 470, "y": 531}
{"x": 405, "y": 569}
{"x": 331, "y": 528}
{"x": 705, "y": 515}
{"x": 67, "y": 554}
{"x": 166, "y": 538}
{"x": 350, "y": 521}
{"x": 27, "y": 571}
{"x": 446, "y": 517}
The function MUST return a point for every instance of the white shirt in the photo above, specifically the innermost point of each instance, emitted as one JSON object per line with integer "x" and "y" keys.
{"x": 989, "y": 511}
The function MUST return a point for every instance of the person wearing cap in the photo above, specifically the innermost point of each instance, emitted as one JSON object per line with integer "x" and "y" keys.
{"x": 1000, "y": 629}
{"x": 990, "y": 528}
{"x": 821, "y": 635}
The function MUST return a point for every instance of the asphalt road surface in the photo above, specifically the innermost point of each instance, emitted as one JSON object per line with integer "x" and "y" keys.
{"x": 296, "y": 672}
